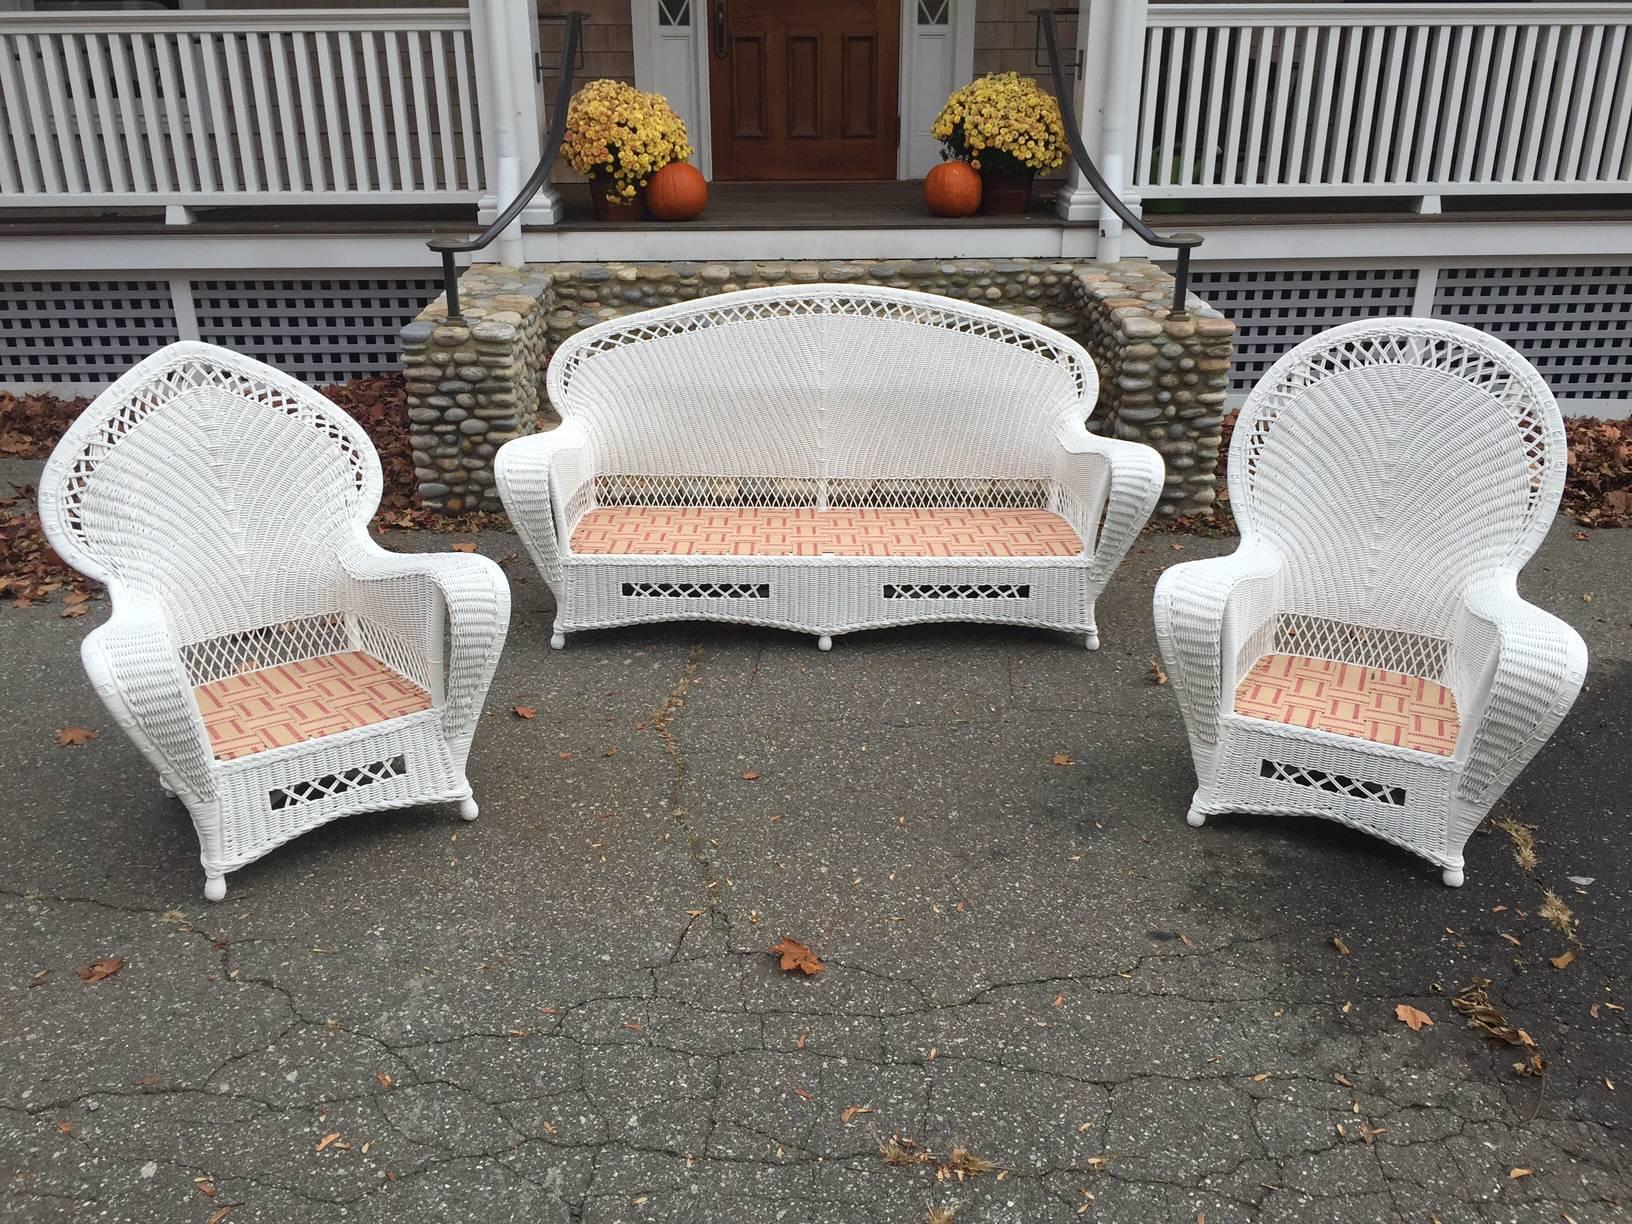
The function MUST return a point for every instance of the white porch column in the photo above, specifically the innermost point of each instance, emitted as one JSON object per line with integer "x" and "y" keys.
{"x": 504, "y": 34}
{"x": 1111, "y": 37}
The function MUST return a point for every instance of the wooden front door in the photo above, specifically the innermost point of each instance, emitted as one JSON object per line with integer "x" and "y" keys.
{"x": 804, "y": 89}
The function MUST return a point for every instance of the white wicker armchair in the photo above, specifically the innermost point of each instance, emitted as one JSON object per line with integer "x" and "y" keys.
{"x": 1364, "y": 655}
{"x": 825, "y": 458}
{"x": 274, "y": 664}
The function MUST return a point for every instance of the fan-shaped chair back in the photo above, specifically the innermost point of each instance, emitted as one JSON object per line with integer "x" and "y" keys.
{"x": 214, "y": 484}
{"x": 1389, "y": 462}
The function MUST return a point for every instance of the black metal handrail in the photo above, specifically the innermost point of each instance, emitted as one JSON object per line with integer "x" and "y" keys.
{"x": 571, "y": 50}
{"x": 1182, "y": 243}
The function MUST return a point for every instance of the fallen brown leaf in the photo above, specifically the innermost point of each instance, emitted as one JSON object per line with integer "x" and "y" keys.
{"x": 749, "y": 775}
{"x": 205, "y": 1186}
{"x": 327, "y": 1140}
{"x": 464, "y": 548}
{"x": 1564, "y": 959}
{"x": 1157, "y": 675}
{"x": 1342, "y": 948}
{"x": 101, "y": 967}
{"x": 802, "y": 1094}
{"x": 795, "y": 955}
{"x": 526, "y": 712}
{"x": 65, "y": 1127}
{"x": 1474, "y": 1003}
{"x": 1060, "y": 758}
{"x": 1515, "y": 1174}
{"x": 218, "y": 1215}
{"x": 855, "y": 1111}
{"x": 74, "y": 737}
{"x": 385, "y": 1080}
{"x": 1412, "y": 1018}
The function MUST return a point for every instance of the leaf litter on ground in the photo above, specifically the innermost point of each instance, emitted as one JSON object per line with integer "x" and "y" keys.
{"x": 1474, "y": 1002}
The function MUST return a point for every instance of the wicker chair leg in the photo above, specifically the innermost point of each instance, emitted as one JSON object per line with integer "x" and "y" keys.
{"x": 558, "y": 639}
{"x": 468, "y": 809}
{"x": 215, "y": 886}
{"x": 1453, "y": 877}
{"x": 1196, "y": 817}
{"x": 1091, "y": 638}
{"x": 825, "y": 642}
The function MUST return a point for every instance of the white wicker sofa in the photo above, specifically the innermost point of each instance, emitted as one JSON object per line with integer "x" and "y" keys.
{"x": 276, "y": 666}
{"x": 825, "y": 458}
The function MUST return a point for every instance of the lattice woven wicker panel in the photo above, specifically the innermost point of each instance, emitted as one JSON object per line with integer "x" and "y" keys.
{"x": 317, "y": 330}
{"x": 80, "y": 332}
{"x": 1573, "y": 323}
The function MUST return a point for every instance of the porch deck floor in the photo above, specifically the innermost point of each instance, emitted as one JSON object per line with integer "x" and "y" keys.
{"x": 736, "y": 207}
{"x": 816, "y": 206}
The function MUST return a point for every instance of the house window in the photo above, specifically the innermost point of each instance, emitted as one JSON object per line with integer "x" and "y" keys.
{"x": 674, "y": 12}
{"x": 934, "y": 12}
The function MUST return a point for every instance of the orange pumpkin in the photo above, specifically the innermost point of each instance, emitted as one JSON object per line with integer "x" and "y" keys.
{"x": 952, "y": 189}
{"x": 677, "y": 192}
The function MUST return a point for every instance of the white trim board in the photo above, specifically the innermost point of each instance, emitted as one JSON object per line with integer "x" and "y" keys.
{"x": 1444, "y": 242}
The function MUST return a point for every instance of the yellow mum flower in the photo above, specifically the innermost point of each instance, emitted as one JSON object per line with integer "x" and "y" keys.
{"x": 617, "y": 131}
{"x": 1005, "y": 119}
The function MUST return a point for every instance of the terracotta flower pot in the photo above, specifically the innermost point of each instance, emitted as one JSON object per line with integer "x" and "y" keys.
{"x": 628, "y": 208}
{"x": 1005, "y": 193}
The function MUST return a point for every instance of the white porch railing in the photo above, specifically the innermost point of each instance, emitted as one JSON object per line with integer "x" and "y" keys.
{"x": 1370, "y": 99}
{"x": 249, "y": 107}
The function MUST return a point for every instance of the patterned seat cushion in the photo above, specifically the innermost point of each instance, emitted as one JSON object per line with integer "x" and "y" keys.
{"x": 296, "y": 702}
{"x": 806, "y": 532}
{"x": 1367, "y": 703}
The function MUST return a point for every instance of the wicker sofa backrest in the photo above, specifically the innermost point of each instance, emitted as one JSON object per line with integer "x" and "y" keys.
{"x": 214, "y": 485}
{"x": 1392, "y": 461}
{"x": 822, "y": 382}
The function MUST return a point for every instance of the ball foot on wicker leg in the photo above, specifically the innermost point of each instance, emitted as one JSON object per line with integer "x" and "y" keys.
{"x": 1453, "y": 877}
{"x": 1091, "y": 639}
{"x": 558, "y": 640}
{"x": 215, "y": 887}
{"x": 824, "y": 642}
{"x": 468, "y": 809}
{"x": 1195, "y": 817}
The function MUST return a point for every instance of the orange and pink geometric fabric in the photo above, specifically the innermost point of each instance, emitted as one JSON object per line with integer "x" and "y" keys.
{"x": 296, "y": 702}
{"x": 807, "y": 532}
{"x": 1346, "y": 699}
